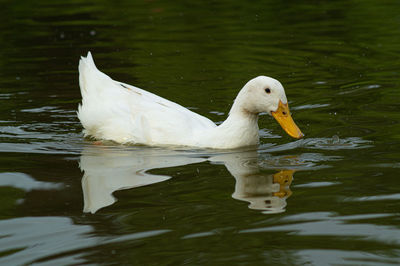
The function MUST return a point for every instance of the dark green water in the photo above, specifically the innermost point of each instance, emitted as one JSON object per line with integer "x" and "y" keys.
{"x": 330, "y": 198}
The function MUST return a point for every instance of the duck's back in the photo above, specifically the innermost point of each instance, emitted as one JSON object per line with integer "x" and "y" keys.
{"x": 123, "y": 113}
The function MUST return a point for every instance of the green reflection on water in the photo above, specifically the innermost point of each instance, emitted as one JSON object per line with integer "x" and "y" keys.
{"x": 339, "y": 62}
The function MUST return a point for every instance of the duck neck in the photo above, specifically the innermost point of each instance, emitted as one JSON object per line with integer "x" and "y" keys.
{"x": 239, "y": 114}
{"x": 240, "y": 128}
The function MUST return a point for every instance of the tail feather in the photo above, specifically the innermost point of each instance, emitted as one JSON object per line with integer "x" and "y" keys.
{"x": 86, "y": 64}
{"x": 102, "y": 102}
{"x": 88, "y": 83}
{"x": 90, "y": 78}
{"x": 88, "y": 60}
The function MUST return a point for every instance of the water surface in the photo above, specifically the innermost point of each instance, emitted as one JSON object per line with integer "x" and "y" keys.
{"x": 330, "y": 198}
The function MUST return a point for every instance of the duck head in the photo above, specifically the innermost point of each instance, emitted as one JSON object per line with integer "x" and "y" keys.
{"x": 265, "y": 94}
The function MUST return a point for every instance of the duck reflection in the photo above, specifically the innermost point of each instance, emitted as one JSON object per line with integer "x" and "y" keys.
{"x": 265, "y": 192}
{"x": 107, "y": 170}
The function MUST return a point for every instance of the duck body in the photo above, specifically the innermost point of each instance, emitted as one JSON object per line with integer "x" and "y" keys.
{"x": 123, "y": 113}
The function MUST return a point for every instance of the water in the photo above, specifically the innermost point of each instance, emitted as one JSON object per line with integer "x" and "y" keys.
{"x": 330, "y": 198}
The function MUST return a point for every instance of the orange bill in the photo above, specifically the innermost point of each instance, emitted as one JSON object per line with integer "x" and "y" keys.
{"x": 282, "y": 115}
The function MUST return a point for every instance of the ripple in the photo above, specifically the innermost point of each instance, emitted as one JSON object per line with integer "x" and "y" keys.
{"x": 197, "y": 235}
{"x": 356, "y": 88}
{"x": 268, "y": 147}
{"x": 336, "y": 143}
{"x": 42, "y": 109}
{"x": 5, "y": 96}
{"x": 29, "y": 239}
{"x": 41, "y": 138}
{"x": 264, "y": 133}
{"x": 217, "y": 113}
{"x": 328, "y": 224}
{"x": 25, "y": 182}
{"x": 341, "y": 257}
{"x": 395, "y": 196}
{"x": 304, "y": 161}
{"x": 43, "y": 147}
{"x": 318, "y": 184}
{"x": 309, "y": 106}
{"x": 388, "y": 165}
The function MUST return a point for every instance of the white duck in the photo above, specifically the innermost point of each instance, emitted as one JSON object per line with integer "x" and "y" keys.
{"x": 112, "y": 110}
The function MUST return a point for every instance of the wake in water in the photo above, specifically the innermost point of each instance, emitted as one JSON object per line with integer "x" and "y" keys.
{"x": 334, "y": 143}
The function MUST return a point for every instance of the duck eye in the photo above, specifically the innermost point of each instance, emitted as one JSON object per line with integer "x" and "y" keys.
{"x": 268, "y": 90}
